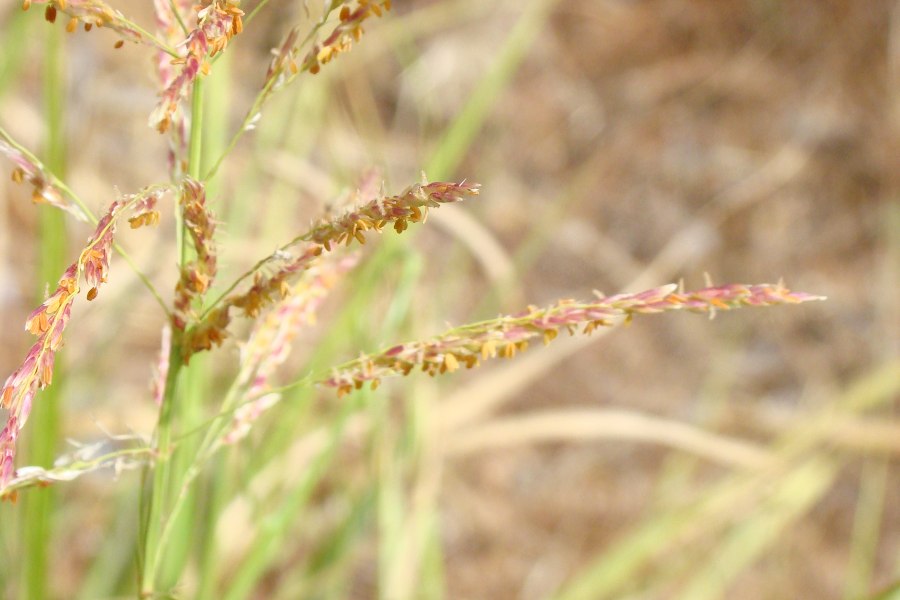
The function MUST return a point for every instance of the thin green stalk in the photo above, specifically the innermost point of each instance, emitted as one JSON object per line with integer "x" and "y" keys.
{"x": 263, "y": 94}
{"x": 15, "y": 34}
{"x": 255, "y": 10}
{"x": 38, "y": 505}
{"x": 181, "y": 23}
{"x": 214, "y": 117}
{"x": 162, "y": 469}
{"x": 217, "y": 494}
{"x": 195, "y": 149}
{"x": 163, "y": 445}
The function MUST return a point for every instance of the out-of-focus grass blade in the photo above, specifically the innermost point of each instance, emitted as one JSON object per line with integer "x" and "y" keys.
{"x": 218, "y": 489}
{"x": 276, "y": 525}
{"x": 14, "y": 45}
{"x": 40, "y": 442}
{"x": 867, "y": 524}
{"x": 458, "y": 137}
{"x": 189, "y": 415}
{"x": 616, "y": 569}
{"x": 326, "y": 572}
{"x": 793, "y": 496}
{"x": 116, "y": 558}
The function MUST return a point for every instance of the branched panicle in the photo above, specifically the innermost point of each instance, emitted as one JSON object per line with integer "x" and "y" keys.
{"x": 120, "y": 453}
{"x": 198, "y": 274}
{"x": 168, "y": 26}
{"x": 29, "y": 169}
{"x": 49, "y": 320}
{"x": 411, "y": 206}
{"x": 90, "y": 13}
{"x": 506, "y": 336}
{"x": 303, "y": 252}
{"x": 269, "y": 288}
{"x": 351, "y": 13}
{"x": 217, "y": 22}
{"x": 293, "y": 281}
{"x": 349, "y": 30}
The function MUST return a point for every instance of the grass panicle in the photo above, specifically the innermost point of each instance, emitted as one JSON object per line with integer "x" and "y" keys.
{"x": 99, "y": 14}
{"x": 506, "y": 336}
{"x": 49, "y": 320}
{"x": 205, "y": 408}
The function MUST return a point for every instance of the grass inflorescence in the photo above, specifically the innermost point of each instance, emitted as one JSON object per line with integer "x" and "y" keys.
{"x": 259, "y": 321}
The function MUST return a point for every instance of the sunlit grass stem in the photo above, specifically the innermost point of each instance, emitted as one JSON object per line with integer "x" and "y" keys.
{"x": 38, "y": 506}
{"x": 163, "y": 442}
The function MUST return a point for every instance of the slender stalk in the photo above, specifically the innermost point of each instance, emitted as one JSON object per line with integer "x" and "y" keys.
{"x": 181, "y": 23}
{"x": 263, "y": 95}
{"x": 162, "y": 469}
{"x": 195, "y": 148}
{"x": 38, "y": 505}
{"x": 163, "y": 443}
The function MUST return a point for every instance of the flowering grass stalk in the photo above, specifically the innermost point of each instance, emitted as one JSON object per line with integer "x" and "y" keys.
{"x": 508, "y": 335}
{"x": 281, "y": 292}
{"x": 49, "y": 320}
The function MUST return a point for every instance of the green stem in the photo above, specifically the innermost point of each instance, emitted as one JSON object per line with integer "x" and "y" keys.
{"x": 39, "y": 504}
{"x": 181, "y": 23}
{"x": 264, "y": 93}
{"x": 163, "y": 447}
{"x": 195, "y": 148}
{"x": 156, "y": 514}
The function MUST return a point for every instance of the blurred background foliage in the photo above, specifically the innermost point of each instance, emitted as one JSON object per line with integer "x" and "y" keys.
{"x": 621, "y": 144}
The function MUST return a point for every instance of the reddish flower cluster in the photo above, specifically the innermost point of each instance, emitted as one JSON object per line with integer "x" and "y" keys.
{"x": 410, "y": 206}
{"x": 217, "y": 22}
{"x": 283, "y": 64}
{"x": 505, "y": 336}
{"x": 349, "y": 30}
{"x": 49, "y": 320}
{"x": 198, "y": 274}
{"x": 266, "y": 289}
{"x": 31, "y": 170}
{"x": 167, "y": 24}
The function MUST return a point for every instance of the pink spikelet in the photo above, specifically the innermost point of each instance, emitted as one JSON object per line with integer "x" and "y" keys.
{"x": 217, "y": 22}
{"x": 28, "y": 169}
{"x": 303, "y": 252}
{"x": 158, "y": 387}
{"x": 348, "y": 30}
{"x": 8, "y": 437}
{"x": 506, "y": 336}
{"x": 167, "y": 24}
{"x": 49, "y": 320}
